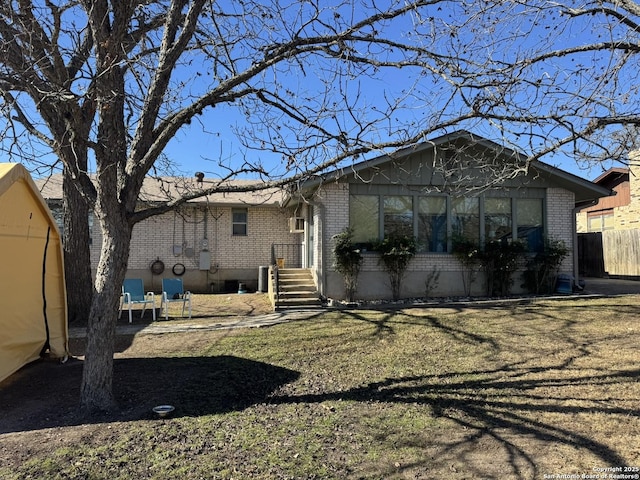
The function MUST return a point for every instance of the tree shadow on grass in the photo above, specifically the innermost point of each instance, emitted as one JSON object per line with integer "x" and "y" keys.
{"x": 505, "y": 407}
{"x": 498, "y": 406}
{"x": 46, "y": 394}
{"x": 384, "y": 326}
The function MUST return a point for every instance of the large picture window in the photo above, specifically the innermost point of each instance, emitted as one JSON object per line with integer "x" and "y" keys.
{"x": 364, "y": 214}
{"x": 465, "y": 218}
{"x": 530, "y": 226}
{"x": 436, "y": 221}
{"x": 497, "y": 219}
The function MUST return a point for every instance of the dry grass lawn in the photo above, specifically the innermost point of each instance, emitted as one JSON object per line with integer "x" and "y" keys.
{"x": 530, "y": 390}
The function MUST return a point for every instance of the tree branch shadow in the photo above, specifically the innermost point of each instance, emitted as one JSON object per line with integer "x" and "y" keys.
{"x": 498, "y": 405}
{"x": 383, "y": 327}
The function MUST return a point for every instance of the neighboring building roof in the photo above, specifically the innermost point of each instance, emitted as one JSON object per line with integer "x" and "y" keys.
{"x": 613, "y": 176}
{"x": 616, "y": 179}
{"x": 584, "y": 190}
{"x": 160, "y": 189}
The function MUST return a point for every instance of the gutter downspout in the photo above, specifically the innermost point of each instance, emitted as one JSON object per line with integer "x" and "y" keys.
{"x": 321, "y": 276}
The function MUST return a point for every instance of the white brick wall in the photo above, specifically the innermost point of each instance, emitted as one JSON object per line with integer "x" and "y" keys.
{"x": 155, "y": 238}
{"x": 373, "y": 282}
{"x": 561, "y": 221}
{"x": 335, "y": 198}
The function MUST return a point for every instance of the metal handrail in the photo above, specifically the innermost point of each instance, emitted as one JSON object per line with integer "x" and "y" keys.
{"x": 276, "y": 279}
{"x": 290, "y": 254}
{"x": 276, "y": 275}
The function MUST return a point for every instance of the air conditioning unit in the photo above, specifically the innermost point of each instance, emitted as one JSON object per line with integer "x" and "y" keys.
{"x": 296, "y": 225}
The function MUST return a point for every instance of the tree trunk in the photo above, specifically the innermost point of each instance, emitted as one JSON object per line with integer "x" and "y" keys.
{"x": 114, "y": 200}
{"x": 97, "y": 376}
{"x": 77, "y": 256}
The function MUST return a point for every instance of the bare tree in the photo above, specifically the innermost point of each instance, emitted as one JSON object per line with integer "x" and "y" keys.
{"x": 552, "y": 77}
{"x": 106, "y": 85}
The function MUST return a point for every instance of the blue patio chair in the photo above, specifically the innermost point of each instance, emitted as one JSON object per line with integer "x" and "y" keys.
{"x": 133, "y": 293}
{"x": 173, "y": 291}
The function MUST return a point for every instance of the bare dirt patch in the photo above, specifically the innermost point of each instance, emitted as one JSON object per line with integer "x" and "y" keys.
{"x": 21, "y": 395}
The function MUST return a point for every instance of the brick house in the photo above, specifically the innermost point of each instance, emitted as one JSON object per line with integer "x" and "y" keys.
{"x": 216, "y": 242}
{"x": 379, "y": 194}
{"x": 618, "y": 212}
{"x": 213, "y": 243}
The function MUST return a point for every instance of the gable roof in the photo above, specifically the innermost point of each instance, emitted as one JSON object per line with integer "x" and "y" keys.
{"x": 583, "y": 189}
{"x": 613, "y": 176}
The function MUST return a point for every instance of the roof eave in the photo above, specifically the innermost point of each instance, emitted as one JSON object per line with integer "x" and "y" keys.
{"x": 584, "y": 190}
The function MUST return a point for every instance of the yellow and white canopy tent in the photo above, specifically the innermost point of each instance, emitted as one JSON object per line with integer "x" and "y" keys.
{"x": 33, "y": 298}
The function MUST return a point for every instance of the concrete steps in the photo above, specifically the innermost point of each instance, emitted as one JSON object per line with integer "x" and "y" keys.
{"x": 297, "y": 290}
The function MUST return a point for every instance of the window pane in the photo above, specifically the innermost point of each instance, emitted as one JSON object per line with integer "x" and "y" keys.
{"x": 239, "y": 221}
{"x": 432, "y": 224}
{"x": 594, "y": 224}
{"x": 607, "y": 221}
{"x": 497, "y": 219}
{"x": 239, "y": 229}
{"x": 465, "y": 218}
{"x": 600, "y": 221}
{"x": 398, "y": 215}
{"x": 239, "y": 216}
{"x": 364, "y": 218}
{"x": 530, "y": 223}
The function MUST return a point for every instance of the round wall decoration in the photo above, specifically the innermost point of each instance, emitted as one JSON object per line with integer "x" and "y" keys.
{"x": 157, "y": 267}
{"x": 178, "y": 269}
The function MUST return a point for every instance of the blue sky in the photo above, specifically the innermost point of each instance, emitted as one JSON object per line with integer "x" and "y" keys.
{"x": 200, "y": 146}
{"x": 195, "y": 150}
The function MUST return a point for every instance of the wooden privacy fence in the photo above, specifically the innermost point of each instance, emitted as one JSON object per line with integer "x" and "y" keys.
{"x": 612, "y": 252}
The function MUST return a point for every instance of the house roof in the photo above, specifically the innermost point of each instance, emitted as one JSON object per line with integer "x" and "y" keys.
{"x": 161, "y": 189}
{"x": 612, "y": 175}
{"x": 583, "y": 189}
{"x": 158, "y": 189}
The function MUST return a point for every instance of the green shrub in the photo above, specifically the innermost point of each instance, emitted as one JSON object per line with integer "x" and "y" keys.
{"x": 542, "y": 269}
{"x": 499, "y": 261}
{"x": 347, "y": 261}
{"x": 396, "y": 251}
